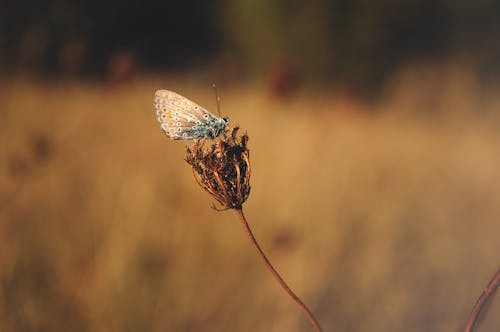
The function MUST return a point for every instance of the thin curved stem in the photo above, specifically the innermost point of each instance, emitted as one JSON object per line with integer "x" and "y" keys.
{"x": 482, "y": 300}
{"x": 270, "y": 267}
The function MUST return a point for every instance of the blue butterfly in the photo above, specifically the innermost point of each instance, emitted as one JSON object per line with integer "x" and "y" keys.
{"x": 180, "y": 118}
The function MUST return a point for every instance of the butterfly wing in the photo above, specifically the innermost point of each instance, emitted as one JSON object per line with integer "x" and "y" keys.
{"x": 180, "y": 118}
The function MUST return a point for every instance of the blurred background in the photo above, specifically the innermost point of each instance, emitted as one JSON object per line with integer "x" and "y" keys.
{"x": 375, "y": 137}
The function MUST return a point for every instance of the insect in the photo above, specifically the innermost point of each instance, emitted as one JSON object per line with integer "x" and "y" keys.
{"x": 182, "y": 119}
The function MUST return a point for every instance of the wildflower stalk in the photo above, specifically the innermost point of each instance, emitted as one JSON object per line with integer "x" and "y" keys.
{"x": 223, "y": 170}
{"x": 276, "y": 275}
{"x": 481, "y": 302}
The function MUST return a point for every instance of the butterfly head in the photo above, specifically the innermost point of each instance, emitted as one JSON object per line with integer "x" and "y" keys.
{"x": 219, "y": 127}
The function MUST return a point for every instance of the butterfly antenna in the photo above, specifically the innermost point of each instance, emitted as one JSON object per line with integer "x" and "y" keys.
{"x": 217, "y": 98}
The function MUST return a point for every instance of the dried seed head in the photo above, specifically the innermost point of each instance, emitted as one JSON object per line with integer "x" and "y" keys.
{"x": 223, "y": 169}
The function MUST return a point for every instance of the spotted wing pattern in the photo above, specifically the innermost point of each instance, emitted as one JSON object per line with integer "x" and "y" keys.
{"x": 180, "y": 118}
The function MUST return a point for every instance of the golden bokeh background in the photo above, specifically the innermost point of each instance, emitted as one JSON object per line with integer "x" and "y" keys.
{"x": 380, "y": 208}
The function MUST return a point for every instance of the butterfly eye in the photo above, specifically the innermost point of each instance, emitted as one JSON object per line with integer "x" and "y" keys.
{"x": 194, "y": 127}
{"x": 206, "y": 117}
{"x": 163, "y": 116}
{"x": 178, "y": 124}
{"x": 184, "y": 134}
{"x": 164, "y": 109}
{"x": 198, "y": 122}
{"x": 196, "y": 108}
{"x": 186, "y": 107}
{"x": 176, "y": 119}
{"x": 178, "y": 129}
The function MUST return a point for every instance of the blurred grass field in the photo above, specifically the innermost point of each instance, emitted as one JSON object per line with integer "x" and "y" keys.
{"x": 382, "y": 216}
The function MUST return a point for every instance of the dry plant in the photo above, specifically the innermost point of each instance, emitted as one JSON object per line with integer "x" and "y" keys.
{"x": 223, "y": 170}
{"x": 483, "y": 301}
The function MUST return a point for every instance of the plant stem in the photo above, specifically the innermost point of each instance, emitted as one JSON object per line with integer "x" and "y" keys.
{"x": 270, "y": 267}
{"x": 482, "y": 300}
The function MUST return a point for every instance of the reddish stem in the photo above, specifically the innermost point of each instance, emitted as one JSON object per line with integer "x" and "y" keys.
{"x": 270, "y": 267}
{"x": 481, "y": 302}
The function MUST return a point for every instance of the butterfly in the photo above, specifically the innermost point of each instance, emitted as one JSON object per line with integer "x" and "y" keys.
{"x": 182, "y": 119}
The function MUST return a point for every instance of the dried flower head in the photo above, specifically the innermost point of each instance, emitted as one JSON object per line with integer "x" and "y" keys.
{"x": 223, "y": 169}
